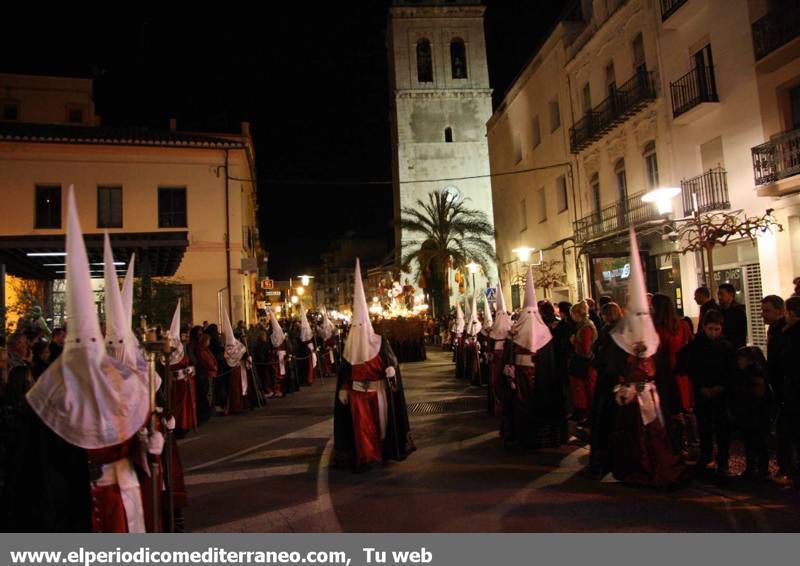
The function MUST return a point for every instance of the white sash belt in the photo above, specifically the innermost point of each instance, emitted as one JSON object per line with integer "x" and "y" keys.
{"x": 649, "y": 402}
{"x": 121, "y": 472}
{"x": 523, "y": 360}
{"x": 281, "y": 362}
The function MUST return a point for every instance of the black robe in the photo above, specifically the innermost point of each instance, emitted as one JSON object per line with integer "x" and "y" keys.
{"x": 399, "y": 442}
{"x": 47, "y": 487}
{"x": 537, "y": 421}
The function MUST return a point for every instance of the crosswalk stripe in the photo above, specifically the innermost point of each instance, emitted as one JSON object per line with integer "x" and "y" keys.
{"x": 238, "y": 475}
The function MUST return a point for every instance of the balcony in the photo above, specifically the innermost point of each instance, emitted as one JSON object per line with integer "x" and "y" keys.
{"x": 615, "y": 218}
{"x": 710, "y": 192}
{"x": 694, "y": 94}
{"x": 625, "y": 101}
{"x": 775, "y": 30}
{"x": 777, "y": 159}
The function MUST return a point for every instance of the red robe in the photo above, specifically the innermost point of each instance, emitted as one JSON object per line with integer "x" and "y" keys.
{"x": 328, "y": 353}
{"x": 365, "y": 409}
{"x": 310, "y": 365}
{"x": 183, "y": 392}
{"x": 180, "y": 498}
{"x": 107, "y": 507}
{"x": 278, "y": 369}
{"x": 583, "y": 389}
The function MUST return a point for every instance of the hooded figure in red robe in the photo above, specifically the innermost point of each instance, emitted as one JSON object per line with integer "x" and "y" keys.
{"x": 370, "y": 417}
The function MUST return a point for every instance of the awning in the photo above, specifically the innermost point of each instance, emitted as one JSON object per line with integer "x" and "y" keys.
{"x": 158, "y": 254}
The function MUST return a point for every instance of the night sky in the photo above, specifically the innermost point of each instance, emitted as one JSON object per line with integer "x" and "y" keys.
{"x": 310, "y": 77}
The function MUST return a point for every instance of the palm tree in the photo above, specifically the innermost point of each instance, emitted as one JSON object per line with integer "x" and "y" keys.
{"x": 445, "y": 234}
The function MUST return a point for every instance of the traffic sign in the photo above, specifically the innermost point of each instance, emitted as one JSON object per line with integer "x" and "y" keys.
{"x": 271, "y": 293}
{"x": 267, "y": 283}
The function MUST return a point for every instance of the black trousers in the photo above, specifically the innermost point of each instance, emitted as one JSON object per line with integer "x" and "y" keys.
{"x": 713, "y": 422}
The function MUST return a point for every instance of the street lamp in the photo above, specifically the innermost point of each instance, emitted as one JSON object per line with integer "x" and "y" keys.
{"x": 473, "y": 268}
{"x": 523, "y": 253}
{"x": 294, "y": 299}
{"x": 300, "y": 291}
{"x": 306, "y": 279}
{"x": 662, "y": 197}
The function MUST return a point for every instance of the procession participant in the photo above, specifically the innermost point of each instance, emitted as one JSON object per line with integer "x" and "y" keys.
{"x": 278, "y": 357}
{"x": 327, "y": 334}
{"x": 458, "y": 341}
{"x": 472, "y": 349}
{"x": 183, "y": 394}
{"x": 236, "y": 360}
{"x": 306, "y": 356}
{"x": 370, "y": 415}
{"x": 641, "y": 452}
{"x": 582, "y": 376}
{"x": 82, "y": 434}
{"x": 485, "y": 348}
{"x": 533, "y": 407}
{"x": 498, "y": 335}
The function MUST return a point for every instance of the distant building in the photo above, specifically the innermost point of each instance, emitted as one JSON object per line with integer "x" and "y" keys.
{"x": 441, "y": 101}
{"x": 334, "y": 279}
{"x": 185, "y": 203}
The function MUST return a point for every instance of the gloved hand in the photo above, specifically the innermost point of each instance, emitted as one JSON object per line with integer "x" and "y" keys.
{"x": 509, "y": 371}
{"x": 155, "y": 443}
{"x": 344, "y": 396}
{"x": 169, "y": 423}
{"x": 390, "y": 372}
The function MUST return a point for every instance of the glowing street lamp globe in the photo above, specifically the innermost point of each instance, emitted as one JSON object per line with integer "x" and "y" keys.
{"x": 473, "y": 267}
{"x": 662, "y": 197}
{"x": 523, "y": 253}
{"x": 301, "y": 291}
{"x": 294, "y": 299}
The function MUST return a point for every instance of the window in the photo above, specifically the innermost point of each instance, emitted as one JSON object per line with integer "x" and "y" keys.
{"x": 523, "y": 211}
{"x": 458, "y": 58}
{"x": 75, "y": 115}
{"x": 622, "y": 181}
{"x": 639, "y": 61}
{"x": 794, "y": 105}
{"x": 10, "y": 111}
{"x": 594, "y": 185}
{"x": 48, "y": 206}
{"x": 555, "y": 115}
{"x": 109, "y": 207}
{"x": 562, "y": 202}
{"x": 541, "y": 214}
{"x": 611, "y": 79}
{"x": 171, "y": 207}
{"x": 536, "y": 133}
{"x": 448, "y": 135}
{"x": 424, "y": 62}
{"x": 586, "y": 99}
{"x": 651, "y": 165}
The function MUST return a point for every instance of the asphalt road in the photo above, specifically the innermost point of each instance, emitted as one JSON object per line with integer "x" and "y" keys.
{"x": 268, "y": 471}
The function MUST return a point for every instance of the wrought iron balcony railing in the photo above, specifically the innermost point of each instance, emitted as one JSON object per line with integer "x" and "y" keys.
{"x": 777, "y": 159}
{"x": 695, "y": 87}
{"x": 625, "y": 100}
{"x": 615, "y": 218}
{"x": 710, "y": 191}
{"x": 669, "y": 7}
{"x": 777, "y": 28}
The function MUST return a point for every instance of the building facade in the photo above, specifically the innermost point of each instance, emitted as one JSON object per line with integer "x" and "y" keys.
{"x": 441, "y": 101}
{"x": 184, "y": 203}
{"x": 693, "y": 94}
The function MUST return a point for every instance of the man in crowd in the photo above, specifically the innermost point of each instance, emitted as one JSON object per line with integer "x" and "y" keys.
{"x": 57, "y": 343}
{"x": 702, "y": 296}
{"x": 734, "y": 316}
{"x": 789, "y": 415}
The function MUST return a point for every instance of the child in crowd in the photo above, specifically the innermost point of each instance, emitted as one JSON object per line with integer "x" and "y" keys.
{"x": 752, "y": 409}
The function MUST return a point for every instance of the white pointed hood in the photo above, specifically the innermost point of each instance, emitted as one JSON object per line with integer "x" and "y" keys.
{"x": 362, "y": 344}
{"x": 305, "y": 326}
{"x": 460, "y": 322}
{"x": 488, "y": 321}
{"x": 530, "y": 331}
{"x": 636, "y": 333}
{"x": 121, "y": 343}
{"x": 474, "y": 324}
{"x": 326, "y": 328}
{"x": 503, "y": 323}
{"x": 87, "y": 397}
{"x": 277, "y": 336}
{"x": 174, "y": 337}
{"x": 127, "y": 291}
{"x": 234, "y": 350}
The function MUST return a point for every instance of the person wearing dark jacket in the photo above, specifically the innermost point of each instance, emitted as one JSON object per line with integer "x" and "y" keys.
{"x": 709, "y": 362}
{"x": 790, "y": 368}
{"x": 774, "y": 315}
{"x": 734, "y": 315}
{"x": 702, "y": 296}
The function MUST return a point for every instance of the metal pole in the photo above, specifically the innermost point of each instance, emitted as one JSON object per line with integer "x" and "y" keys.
{"x": 169, "y": 509}
{"x": 154, "y": 466}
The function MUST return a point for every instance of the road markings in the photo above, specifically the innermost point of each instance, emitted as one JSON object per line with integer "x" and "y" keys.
{"x": 239, "y": 475}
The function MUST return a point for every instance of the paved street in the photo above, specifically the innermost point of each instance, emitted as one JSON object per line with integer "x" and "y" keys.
{"x": 268, "y": 471}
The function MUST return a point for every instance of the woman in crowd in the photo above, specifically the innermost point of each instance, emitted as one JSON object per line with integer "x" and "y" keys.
{"x": 582, "y": 376}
